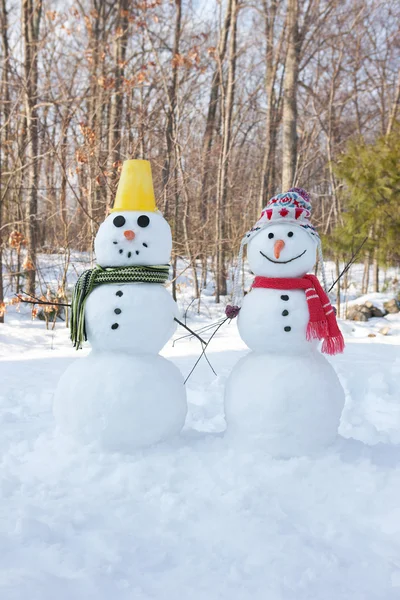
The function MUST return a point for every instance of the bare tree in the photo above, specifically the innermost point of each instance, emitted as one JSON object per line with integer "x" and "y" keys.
{"x": 4, "y": 133}
{"x": 289, "y": 118}
{"x": 31, "y": 15}
{"x": 227, "y": 101}
{"x": 170, "y": 129}
{"x": 117, "y": 95}
{"x": 210, "y": 127}
{"x": 272, "y": 62}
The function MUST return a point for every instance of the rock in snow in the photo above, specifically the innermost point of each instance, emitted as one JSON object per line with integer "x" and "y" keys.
{"x": 364, "y": 312}
{"x": 392, "y": 306}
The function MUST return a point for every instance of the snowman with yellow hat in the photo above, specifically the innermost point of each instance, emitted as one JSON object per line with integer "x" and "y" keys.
{"x": 124, "y": 395}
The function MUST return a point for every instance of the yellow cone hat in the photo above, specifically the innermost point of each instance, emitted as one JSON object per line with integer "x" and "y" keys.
{"x": 135, "y": 188}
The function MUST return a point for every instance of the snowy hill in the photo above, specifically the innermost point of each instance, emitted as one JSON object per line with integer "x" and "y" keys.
{"x": 197, "y": 518}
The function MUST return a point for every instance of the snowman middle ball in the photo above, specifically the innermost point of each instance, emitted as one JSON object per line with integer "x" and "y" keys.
{"x": 265, "y": 313}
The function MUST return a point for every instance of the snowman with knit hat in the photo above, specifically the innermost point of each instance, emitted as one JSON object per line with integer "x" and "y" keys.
{"x": 284, "y": 394}
{"x": 124, "y": 395}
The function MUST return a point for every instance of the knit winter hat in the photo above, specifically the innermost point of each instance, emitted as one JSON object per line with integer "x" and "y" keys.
{"x": 292, "y": 207}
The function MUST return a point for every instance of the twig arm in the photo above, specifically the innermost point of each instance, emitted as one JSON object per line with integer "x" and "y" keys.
{"x": 37, "y": 301}
{"x": 204, "y": 350}
{"x": 191, "y": 331}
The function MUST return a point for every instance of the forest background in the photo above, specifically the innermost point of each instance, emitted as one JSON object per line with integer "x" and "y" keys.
{"x": 232, "y": 101}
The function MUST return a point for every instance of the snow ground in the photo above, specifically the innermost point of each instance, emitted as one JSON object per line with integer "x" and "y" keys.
{"x": 197, "y": 518}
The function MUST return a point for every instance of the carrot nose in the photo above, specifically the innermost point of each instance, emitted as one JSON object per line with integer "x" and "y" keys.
{"x": 129, "y": 234}
{"x": 278, "y": 247}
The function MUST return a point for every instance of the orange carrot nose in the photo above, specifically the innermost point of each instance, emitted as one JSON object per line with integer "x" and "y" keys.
{"x": 130, "y": 235}
{"x": 278, "y": 247}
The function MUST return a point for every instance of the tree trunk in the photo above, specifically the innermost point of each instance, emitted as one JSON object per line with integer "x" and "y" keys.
{"x": 176, "y": 233}
{"x": 267, "y": 187}
{"x": 212, "y": 112}
{"x": 289, "y": 134}
{"x": 185, "y": 223}
{"x": 337, "y": 265}
{"x": 31, "y": 13}
{"x": 96, "y": 194}
{"x": 376, "y": 271}
{"x": 142, "y": 110}
{"x": 365, "y": 280}
{"x": 169, "y": 172}
{"x": 170, "y": 130}
{"x": 117, "y": 98}
{"x": 225, "y": 157}
{"x": 4, "y": 133}
{"x": 1, "y": 257}
{"x": 395, "y": 106}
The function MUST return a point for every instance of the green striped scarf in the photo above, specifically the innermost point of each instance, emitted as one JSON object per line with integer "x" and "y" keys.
{"x": 99, "y": 276}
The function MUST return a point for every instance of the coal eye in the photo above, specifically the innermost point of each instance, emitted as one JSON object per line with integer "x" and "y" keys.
{"x": 119, "y": 221}
{"x": 270, "y": 235}
{"x": 290, "y": 234}
{"x": 143, "y": 221}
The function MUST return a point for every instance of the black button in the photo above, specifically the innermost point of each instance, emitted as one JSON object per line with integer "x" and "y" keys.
{"x": 118, "y": 311}
{"x": 119, "y": 293}
{"x": 285, "y": 313}
{"x": 114, "y": 326}
{"x": 288, "y": 328}
{"x": 285, "y": 297}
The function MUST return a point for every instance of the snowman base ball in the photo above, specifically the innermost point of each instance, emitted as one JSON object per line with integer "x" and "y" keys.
{"x": 297, "y": 414}
{"x": 120, "y": 402}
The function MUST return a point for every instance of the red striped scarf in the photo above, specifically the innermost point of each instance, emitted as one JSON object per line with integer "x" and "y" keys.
{"x": 322, "y": 324}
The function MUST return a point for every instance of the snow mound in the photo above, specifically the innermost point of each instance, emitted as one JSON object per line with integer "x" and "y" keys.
{"x": 289, "y": 405}
{"x": 121, "y": 402}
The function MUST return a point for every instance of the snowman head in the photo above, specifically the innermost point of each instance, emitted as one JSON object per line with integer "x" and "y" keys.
{"x": 282, "y": 250}
{"x": 128, "y": 238}
{"x": 282, "y": 243}
{"x": 135, "y": 233}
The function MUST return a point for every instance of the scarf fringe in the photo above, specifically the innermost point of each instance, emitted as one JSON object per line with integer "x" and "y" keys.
{"x": 333, "y": 345}
{"x": 317, "y": 330}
